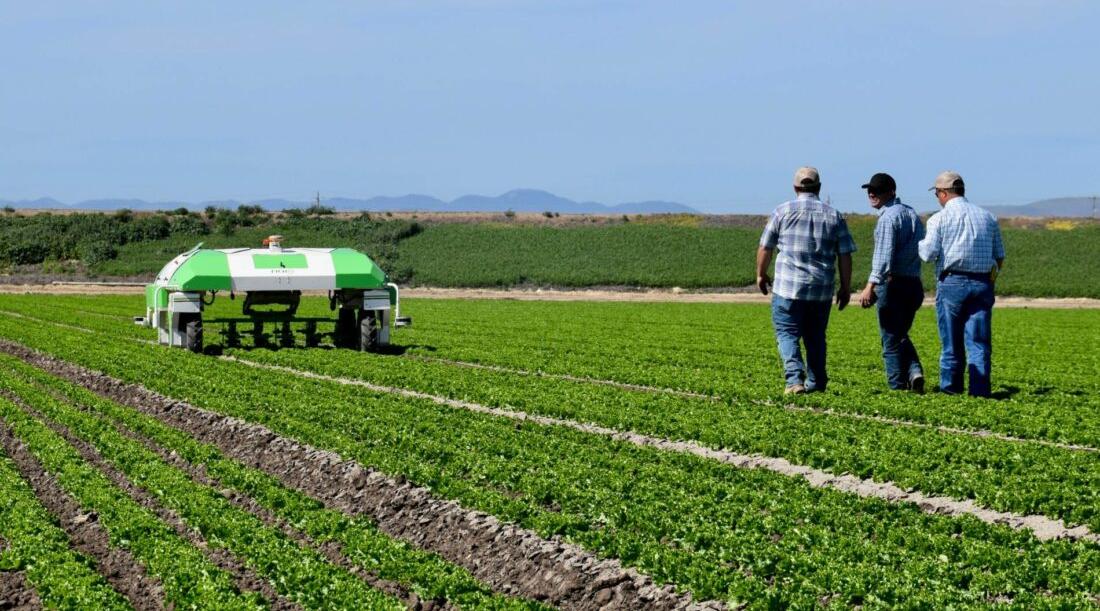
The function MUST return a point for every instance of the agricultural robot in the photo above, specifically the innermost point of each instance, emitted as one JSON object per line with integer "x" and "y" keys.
{"x": 272, "y": 280}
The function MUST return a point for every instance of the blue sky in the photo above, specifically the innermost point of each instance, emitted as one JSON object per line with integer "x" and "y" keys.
{"x": 713, "y": 104}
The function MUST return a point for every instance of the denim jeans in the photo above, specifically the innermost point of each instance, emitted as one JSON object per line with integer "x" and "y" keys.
{"x": 964, "y": 312}
{"x": 898, "y": 302}
{"x": 801, "y": 320}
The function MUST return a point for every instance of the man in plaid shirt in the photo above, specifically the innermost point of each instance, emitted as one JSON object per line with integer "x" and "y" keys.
{"x": 894, "y": 283}
{"x": 811, "y": 238}
{"x": 965, "y": 242}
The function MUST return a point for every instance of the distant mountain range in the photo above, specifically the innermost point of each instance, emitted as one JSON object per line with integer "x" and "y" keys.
{"x": 518, "y": 200}
{"x": 1061, "y": 206}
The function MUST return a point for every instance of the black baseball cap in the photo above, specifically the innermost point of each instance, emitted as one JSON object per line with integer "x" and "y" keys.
{"x": 881, "y": 183}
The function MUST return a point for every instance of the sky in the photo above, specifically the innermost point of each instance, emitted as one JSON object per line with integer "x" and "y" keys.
{"x": 709, "y": 103}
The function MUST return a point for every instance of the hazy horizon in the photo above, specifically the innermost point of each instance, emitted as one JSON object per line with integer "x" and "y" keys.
{"x": 1059, "y": 206}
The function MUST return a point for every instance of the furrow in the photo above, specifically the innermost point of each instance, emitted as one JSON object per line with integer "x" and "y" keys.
{"x": 16, "y": 593}
{"x": 513, "y": 560}
{"x": 332, "y": 551}
{"x": 244, "y": 577}
{"x": 118, "y": 566}
{"x": 1043, "y": 527}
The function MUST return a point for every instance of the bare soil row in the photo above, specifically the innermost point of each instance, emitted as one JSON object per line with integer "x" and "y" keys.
{"x": 331, "y": 551}
{"x": 86, "y": 535}
{"x": 245, "y": 578}
{"x": 15, "y": 592}
{"x": 512, "y": 560}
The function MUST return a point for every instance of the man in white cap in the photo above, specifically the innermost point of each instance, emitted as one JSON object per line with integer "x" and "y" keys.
{"x": 812, "y": 239}
{"x": 965, "y": 242}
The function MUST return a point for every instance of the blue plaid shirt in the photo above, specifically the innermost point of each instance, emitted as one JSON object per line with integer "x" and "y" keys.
{"x": 897, "y": 233}
{"x": 809, "y": 235}
{"x": 962, "y": 238}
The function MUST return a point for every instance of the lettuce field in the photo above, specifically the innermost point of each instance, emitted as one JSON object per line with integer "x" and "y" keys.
{"x": 532, "y": 455}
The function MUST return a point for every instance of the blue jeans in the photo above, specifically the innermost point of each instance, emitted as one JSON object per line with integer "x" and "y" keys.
{"x": 800, "y": 320}
{"x": 964, "y": 312}
{"x": 898, "y": 302}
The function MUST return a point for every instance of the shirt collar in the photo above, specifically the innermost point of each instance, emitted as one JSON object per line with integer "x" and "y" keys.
{"x": 958, "y": 198}
{"x": 810, "y": 196}
{"x": 882, "y": 209}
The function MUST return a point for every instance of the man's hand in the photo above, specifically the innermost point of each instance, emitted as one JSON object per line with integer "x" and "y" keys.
{"x": 764, "y": 283}
{"x": 763, "y": 259}
{"x": 844, "y": 262}
{"x": 843, "y": 296}
{"x": 993, "y": 273}
{"x": 868, "y": 297}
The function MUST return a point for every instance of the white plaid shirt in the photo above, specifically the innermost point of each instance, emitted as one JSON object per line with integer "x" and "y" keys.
{"x": 962, "y": 238}
{"x": 809, "y": 235}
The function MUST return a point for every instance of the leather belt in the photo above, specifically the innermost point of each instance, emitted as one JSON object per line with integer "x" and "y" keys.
{"x": 973, "y": 275}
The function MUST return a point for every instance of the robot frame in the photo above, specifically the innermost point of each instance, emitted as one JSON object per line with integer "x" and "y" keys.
{"x": 367, "y": 304}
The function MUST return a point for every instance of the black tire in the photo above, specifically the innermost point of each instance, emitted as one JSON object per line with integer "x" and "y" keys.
{"x": 368, "y": 331}
{"x": 232, "y": 337}
{"x": 346, "y": 333}
{"x": 259, "y": 340}
{"x": 286, "y": 336}
{"x": 311, "y": 335}
{"x": 193, "y": 335}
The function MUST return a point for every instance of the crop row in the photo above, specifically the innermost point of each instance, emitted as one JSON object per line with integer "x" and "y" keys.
{"x": 1023, "y": 478}
{"x": 359, "y": 540}
{"x": 1058, "y": 411}
{"x": 188, "y": 577}
{"x": 62, "y": 577}
{"x": 1017, "y": 477}
{"x": 717, "y": 531}
{"x": 299, "y": 574}
{"x": 728, "y": 350}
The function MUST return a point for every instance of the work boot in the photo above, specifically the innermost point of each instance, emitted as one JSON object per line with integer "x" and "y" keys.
{"x": 916, "y": 384}
{"x": 795, "y": 389}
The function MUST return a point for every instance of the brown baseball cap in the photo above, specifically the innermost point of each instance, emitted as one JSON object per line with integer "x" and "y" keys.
{"x": 948, "y": 180}
{"x": 807, "y": 177}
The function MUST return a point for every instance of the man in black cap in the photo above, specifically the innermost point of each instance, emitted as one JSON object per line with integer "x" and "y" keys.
{"x": 894, "y": 283}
